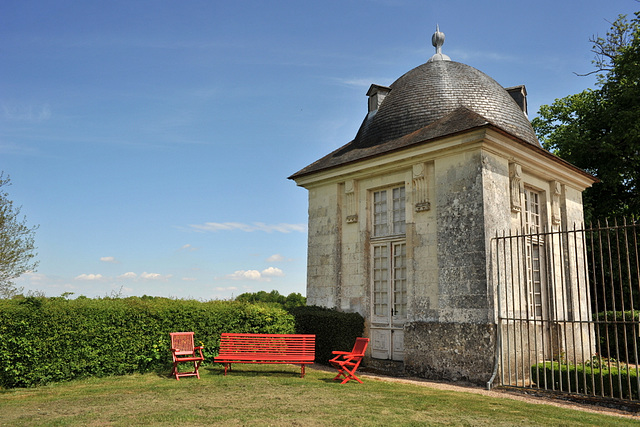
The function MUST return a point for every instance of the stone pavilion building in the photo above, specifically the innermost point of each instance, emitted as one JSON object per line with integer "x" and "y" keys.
{"x": 401, "y": 218}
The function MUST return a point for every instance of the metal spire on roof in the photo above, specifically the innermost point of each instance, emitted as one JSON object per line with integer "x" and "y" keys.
{"x": 437, "y": 40}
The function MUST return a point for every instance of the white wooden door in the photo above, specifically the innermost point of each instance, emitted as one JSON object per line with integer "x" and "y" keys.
{"x": 389, "y": 308}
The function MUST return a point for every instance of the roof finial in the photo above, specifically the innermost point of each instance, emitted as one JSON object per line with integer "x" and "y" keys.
{"x": 437, "y": 40}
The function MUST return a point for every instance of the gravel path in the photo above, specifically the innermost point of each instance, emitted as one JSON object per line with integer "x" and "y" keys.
{"x": 497, "y": 392}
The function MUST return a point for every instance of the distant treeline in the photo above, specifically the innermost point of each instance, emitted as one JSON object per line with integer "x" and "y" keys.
{"x": 289, "y": 302}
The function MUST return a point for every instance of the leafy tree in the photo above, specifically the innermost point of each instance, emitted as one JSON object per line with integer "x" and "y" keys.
{"x": 274, "y": 297}
{"x": 262, "y": 296}
{"x": 598, "y": 130}
{"x": 16, "y": 243}
{"x": 294, "y": 300}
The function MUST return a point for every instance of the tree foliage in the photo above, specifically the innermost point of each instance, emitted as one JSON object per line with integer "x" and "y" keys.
{"x": 17, "y": 243}
{"x": 274, "y": 297}
{"x": 614, "y": 43}
{"x": 598, "y": 130}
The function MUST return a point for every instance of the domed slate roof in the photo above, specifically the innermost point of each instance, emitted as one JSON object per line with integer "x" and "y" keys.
{"x": 433, "y": 90}
{"x": 436, "y": 99}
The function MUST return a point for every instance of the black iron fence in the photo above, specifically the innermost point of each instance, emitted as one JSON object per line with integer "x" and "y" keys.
{"x": 569, "y": 309}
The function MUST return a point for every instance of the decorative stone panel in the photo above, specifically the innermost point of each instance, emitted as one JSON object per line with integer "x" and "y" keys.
{"x": 556, "y": 192}
{"x": 421, "y": 188}
{"x": 351, "y": 200}
{"x": 516, "y": 186}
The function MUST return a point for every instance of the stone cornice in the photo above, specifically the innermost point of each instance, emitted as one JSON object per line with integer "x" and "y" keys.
{"x": 533, "y": 159}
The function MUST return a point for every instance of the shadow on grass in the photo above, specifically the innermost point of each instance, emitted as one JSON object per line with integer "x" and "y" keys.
{"x": 244, "y": 370}
{"x": 278, "y": 371}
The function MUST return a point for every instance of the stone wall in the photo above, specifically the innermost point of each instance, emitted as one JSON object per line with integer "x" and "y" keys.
{"x": 458, "y": 197}
{"x": 461, "y": 241}
{"x": 450, "y": 351}
{"x": 324, "y": 257}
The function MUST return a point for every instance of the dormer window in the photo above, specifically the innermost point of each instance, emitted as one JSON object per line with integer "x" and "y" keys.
{"x": 376, "y": 95}
{"x": 519, "y": 94}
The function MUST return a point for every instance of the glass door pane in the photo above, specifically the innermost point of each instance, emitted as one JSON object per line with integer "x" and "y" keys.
{"x": 400, "y": 280}
{"x": 381, "y": 280}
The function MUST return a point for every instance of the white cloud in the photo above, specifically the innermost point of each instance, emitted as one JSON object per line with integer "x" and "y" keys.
{"x": 230, "y": 288}
{"x": 144, "y": 276}
{"x": 467, "y": 55}
{"x": 32, "y": 277}
{"x": 272, "y": 272}
{"x": 264, "y": 275}
{"x": 244, "y": 275}
{"x": 364, "y": 82}
{"x": 189, "y": 279}
{"x": 188, "y": 248}
{"x": 89, "y": 277}
{"x": 278, "y": 258}
{"x": 27, "y": 113}
{"x": 109, "y": 259}
{"x": 13, "y": 148}
{"x": 154, "y": 276}
{"x": 256, "y": 226}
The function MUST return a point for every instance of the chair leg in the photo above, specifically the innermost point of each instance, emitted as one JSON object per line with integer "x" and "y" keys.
{"x": 348, "y": 375}
{"x": 340, "y": 374}
{"x": 339, "y": 368}
{"x": 196, "y": 366}
{"x": 174, "y": 371}
{"x": 351, "y": 376}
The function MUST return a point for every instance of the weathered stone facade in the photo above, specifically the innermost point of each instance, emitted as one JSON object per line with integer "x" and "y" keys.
{"x": 400, "y": 225}
{"x": 450, "y": 351}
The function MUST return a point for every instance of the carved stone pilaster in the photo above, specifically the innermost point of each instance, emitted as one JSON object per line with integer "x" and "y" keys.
{"x": 556, "y": 192}
{"x": 516, "y": 186}
{"x": 421, "y": 188}
{"x": 351, "y": 200}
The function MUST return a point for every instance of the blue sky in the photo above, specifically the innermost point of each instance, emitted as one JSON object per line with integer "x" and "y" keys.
{"x": 152, "y": 140}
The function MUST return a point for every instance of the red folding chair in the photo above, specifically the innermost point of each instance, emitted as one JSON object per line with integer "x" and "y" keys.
{"x": 347, "y": 362}
{"x": 183, "y": 350}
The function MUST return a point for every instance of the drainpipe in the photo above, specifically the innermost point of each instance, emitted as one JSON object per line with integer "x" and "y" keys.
{"x": 496, "y": 354}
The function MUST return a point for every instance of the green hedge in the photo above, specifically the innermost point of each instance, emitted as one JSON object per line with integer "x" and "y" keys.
{"x": 334, "y": 330}
{"x": 620, "y": 383}
{"x": 616, "y": 330}
{"x": 45, "y": 340}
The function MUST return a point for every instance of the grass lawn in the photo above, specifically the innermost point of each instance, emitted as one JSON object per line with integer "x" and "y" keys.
{"x": 271, "y": 395}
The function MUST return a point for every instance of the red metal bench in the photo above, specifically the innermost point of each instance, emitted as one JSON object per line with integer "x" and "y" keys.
{"x": 266, "y": 348}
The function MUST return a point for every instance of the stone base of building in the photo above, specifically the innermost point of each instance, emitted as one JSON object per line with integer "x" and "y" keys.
{"x": 450, "y": 351}
{"x": 386, "y": 367}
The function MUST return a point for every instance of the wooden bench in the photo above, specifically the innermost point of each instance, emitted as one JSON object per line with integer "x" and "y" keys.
{"x": 266, "y": 348}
